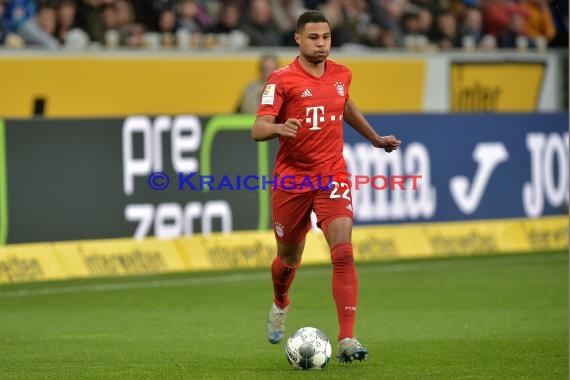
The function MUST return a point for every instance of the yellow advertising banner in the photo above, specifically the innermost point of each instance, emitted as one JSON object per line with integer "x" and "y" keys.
{"x": 109, "y": 86}
{"x": 496, "y": 86}
{"x": 121, "y": 257}
{"x": 387, "y": 85}
{"x": 117, "y": 86}
{"x": 243, "y": 249}
{"x": 29, "y": 263}
{"x": 118, "y": 257}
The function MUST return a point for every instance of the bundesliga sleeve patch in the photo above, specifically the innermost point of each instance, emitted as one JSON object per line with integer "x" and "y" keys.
{"x": 268, "y": 94}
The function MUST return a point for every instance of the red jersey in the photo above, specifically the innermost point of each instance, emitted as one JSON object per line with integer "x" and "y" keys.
{"x": 316, "y": 151}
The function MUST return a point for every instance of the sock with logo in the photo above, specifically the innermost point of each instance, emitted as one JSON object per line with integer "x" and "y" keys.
{"x": 282, "y": 276}
{"x": 344, "y": 288}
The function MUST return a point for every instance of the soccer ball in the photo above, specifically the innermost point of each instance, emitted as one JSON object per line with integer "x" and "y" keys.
{"x": 308, "y": 348}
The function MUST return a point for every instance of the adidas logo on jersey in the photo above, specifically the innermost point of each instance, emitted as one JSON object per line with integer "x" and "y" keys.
{"x": 306, "y": 93}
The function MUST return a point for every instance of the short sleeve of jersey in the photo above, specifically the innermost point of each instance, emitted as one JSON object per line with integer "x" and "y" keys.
{"x": 272, "y": 96}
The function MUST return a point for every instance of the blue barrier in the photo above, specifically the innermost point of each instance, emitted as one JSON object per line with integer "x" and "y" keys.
{"x": 473, "y": 166}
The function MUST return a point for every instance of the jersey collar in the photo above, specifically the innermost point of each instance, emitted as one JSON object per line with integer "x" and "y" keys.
{"x": 302, "y": 69}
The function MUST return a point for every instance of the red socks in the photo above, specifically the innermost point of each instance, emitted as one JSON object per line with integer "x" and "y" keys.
{"x": 344, "y": 288}
{"x": 282, "y": 275}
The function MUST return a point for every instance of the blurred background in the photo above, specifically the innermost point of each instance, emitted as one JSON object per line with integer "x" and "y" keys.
{"x": 463, "y": 273}
{"x": 99, "y": 94}
{"x": 215, "y": 24}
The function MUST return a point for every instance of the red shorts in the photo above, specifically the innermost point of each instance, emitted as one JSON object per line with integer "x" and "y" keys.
{"x": 292, "y": 211}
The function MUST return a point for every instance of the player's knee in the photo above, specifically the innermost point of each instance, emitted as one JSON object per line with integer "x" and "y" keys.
{"x": 337, "y": 231}
{"x": 342, "y": 254}
{"x": 290, "y": 254}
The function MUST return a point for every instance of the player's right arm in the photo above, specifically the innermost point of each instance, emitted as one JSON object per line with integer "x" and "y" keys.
{"x": 265, "y": 128}
{"x": 272, "y": 100}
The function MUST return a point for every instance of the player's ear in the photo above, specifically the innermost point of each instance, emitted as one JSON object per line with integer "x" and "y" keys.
{"x": 297, "y": 38}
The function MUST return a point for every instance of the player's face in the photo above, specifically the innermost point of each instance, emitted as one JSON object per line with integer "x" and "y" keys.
{"x": 314, "y": 41}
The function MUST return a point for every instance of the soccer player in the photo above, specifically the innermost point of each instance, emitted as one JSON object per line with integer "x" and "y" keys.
{"x": 304, "y": 104}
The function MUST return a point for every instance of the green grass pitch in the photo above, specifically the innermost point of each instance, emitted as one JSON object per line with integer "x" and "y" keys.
{"x": 492, "y": 317}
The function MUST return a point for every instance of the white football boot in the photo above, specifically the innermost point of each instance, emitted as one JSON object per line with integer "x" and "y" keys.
{"x": 276, "y": 323}
{"x": 350, "y": 349}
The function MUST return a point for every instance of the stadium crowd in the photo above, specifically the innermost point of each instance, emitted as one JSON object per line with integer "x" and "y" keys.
{"x": 203, "y": 24}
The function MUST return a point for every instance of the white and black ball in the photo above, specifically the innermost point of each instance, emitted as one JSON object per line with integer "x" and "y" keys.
{"x": 308, "y": 348}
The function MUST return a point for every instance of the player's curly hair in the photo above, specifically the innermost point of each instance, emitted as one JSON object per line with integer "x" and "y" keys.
{"x": 310, "y": 16}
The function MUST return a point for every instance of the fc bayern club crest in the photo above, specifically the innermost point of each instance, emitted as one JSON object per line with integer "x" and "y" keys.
{"x": 339, "y": 88}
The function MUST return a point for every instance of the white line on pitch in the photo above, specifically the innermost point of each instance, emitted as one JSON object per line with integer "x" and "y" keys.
{"x": 242, "y": 277}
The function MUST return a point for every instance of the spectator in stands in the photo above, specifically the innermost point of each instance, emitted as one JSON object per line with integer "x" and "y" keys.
{"x": 446, "y": 35}
{"x": 21, "y": 18}
{"x": 167, "y": 27}
{"x": 559, "y": 11}
{"x": 131, "y": 32}
{"x": 147, "y": 11}
{"x": 47, "y": 18}
{"x": 371, "y": 23}
{"x": 410, "y": 29}
{"x": 357, "y": 23}
{"x": 228, "y": 26}
{"x": 3, "y": 29}
{"x": 333, "y": 11}
{"x": 228, "y": 19}
{"x": 539, "y": 22}
{"x": 388, "y": 14}
{"x": 496, "y": 15}
{"x": 516, "y": 32}
{"x": 109, "y": 17}
{"x": 285, "y": 14}
{"x": 425, "y": 21}
{"x": 458, "y": 8}
{"x": 259, "y": 25}
{"x": 119, "y": 16}
{"x": 89, "y": 17}
{"x": 65, "y": 19}
{"x": 475, "y": 17}
{"x": 471, "y": 27}
{"x": 193, "y": 17}
{"x": 410, "y": 23}
{"x": 251, "y": 96}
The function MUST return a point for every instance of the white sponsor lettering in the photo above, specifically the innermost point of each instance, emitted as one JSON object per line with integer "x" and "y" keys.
{"x": 312, "y": 114}
{"x": 185, "y": 137}
{"x": 172, "y": 220}
{"x": 544, "y": 152}
{"x": 399, "y": 204}
{"x": 487, "y": 155}
{"x": 143, "y": 155}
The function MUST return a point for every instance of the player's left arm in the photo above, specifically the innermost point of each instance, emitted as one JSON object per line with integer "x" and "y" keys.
{"x": 356, "y": 120}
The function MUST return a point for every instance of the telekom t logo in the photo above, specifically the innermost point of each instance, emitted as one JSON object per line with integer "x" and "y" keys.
{"x": 313, "y": 115}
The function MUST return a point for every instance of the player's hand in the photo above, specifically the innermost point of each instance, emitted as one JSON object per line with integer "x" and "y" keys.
{"x": 388, "y": 143}
{"x": 289, "y": 128}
